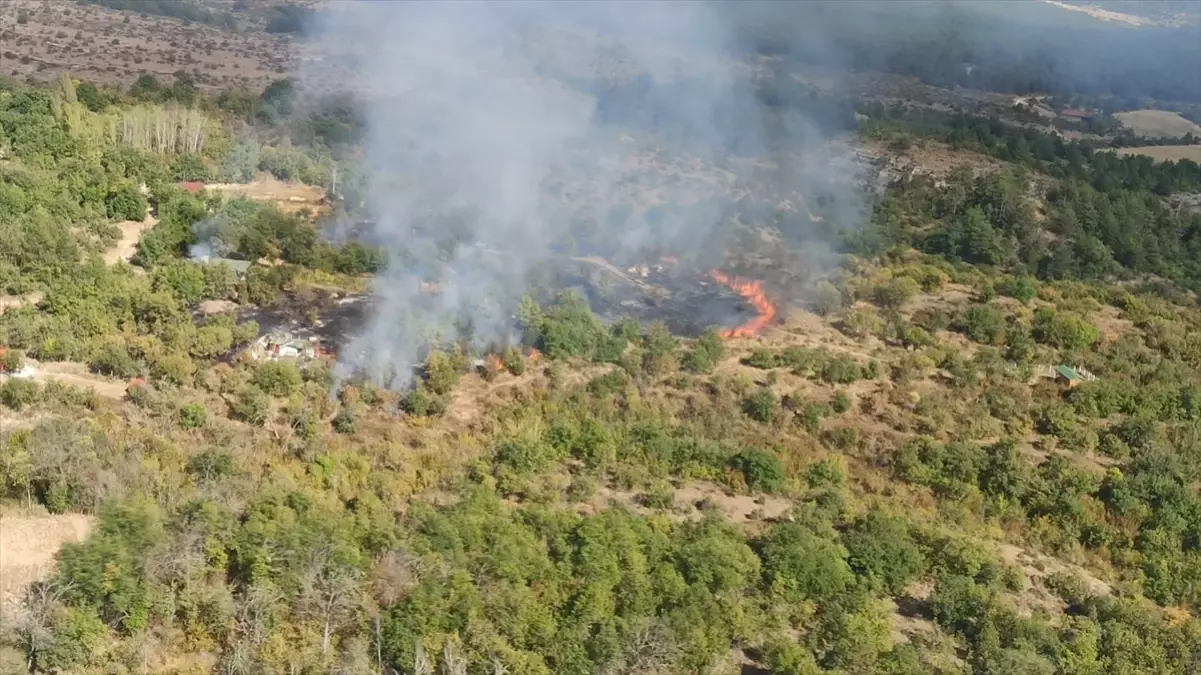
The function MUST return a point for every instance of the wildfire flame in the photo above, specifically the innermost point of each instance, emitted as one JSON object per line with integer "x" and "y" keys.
{"x": 752, "y": 291}
{"x": 534, "y": 354}
{"x": 494, "y": 362}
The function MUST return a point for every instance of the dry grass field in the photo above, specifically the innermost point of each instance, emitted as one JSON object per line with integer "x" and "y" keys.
{"x": 1165, "y": 153}
{"x": 1157, "y": 123}
{"x": 289, "y": 197}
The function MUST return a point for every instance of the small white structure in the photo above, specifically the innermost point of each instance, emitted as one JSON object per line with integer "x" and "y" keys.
{"x": 284, "y": 346}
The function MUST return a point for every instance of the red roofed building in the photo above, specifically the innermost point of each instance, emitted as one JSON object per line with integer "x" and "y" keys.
{"x": 193, "y": 186}
{"x": 1084, "y": 116}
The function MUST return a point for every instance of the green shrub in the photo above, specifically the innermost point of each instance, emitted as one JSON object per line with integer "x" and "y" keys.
{"x": 801, "y": 564}
{"x": 569, "y": 329}
{"x": 513, "y": 361}
{"x": 16, "y": 393}
{"x": 77, "y": 635}
{"x": 789, "y": 658}
{"x": 343, "y": 422}
{"x": 611, "y": 382}
{"x": 660, "y": 496}
{"x": 897, "y": 293}
{"x": 108, "y": 570}
{"x": 245, "y": 332}
{"x": 811, "y": 414}
{"x": 1023, "y": 288}
{"x": 12, "y": 360}
{"x": 250, "y": 405}
{"x": 762, "y": 358}
{"x": 125, "y": 203}
{"x": 827, "y": 299}
{"x": 841, "y": 402}
{"x": 176, "y": 368}
{"x": 762, "y": 406}
{"x": 212, "y": 341}
{"x": 763, "y": 471}
{"x": 882, "y": 550}
{"x": 825, "y": 473}
{"x": 861, "y": 322}
{"x": 115, "y": 361}
{"x": 524, "y": 455}
{"x": 1069, "y": 586}
{"x": 442, "y": 372}
{"x": 1019, "y": 345}
{"x": 950, "y": 470}
{"x": 211, "y": 465}
{"x": 982, "y": 323}
{"x": 192, "y": 416}
{"x": 658, "y": 350}
{"x": 843, "y": 439}
{"x": 304, "y": 425}
{"x": 841, "y": 370}
{"x": 277, "y": 378}
{"x": 418, "y": 402}
{"x": 1064, "y": 329}
{"x": 801, "y": 360}
{"x": 915, "y": 337}
{"x": 581, "y": 488}
{"x": 705, "y": 353}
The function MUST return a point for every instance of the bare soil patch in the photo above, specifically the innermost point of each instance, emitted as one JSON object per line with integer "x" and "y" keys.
{"x": 210, "y": 307}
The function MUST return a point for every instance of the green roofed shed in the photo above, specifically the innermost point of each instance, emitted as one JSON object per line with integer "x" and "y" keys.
{"x": 1069, "y": 373}
{"x": 1073, "y": 375}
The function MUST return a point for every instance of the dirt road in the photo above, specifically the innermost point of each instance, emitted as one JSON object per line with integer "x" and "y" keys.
{"x": 74, "y": 374}
{"x": 131, "y": 232}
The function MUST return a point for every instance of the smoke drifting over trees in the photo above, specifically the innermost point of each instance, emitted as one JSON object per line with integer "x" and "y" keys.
{"x": 502, "y": 133}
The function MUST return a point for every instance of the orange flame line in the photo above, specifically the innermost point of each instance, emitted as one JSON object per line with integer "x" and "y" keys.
{"x": 752, "y": 292}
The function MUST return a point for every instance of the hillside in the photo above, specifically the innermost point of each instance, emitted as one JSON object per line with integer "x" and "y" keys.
{"x": 869, "y": 377}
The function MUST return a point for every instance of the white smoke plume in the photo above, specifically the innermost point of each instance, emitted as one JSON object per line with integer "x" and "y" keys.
{"x": 487, "y": 142}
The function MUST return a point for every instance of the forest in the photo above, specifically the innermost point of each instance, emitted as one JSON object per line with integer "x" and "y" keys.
{"x": 1106, "y": 211}
{"x": 604, "y": 498}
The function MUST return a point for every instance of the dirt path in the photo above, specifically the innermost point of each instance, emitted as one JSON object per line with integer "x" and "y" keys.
{"x": 28, "y": 545}
{"x": 74, "y": 374}
{"x": 131, "y": 232}
{"x": 608, "y": 267}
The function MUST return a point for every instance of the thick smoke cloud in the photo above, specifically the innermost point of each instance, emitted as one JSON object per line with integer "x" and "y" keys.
{"x": 494, "y": 129}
